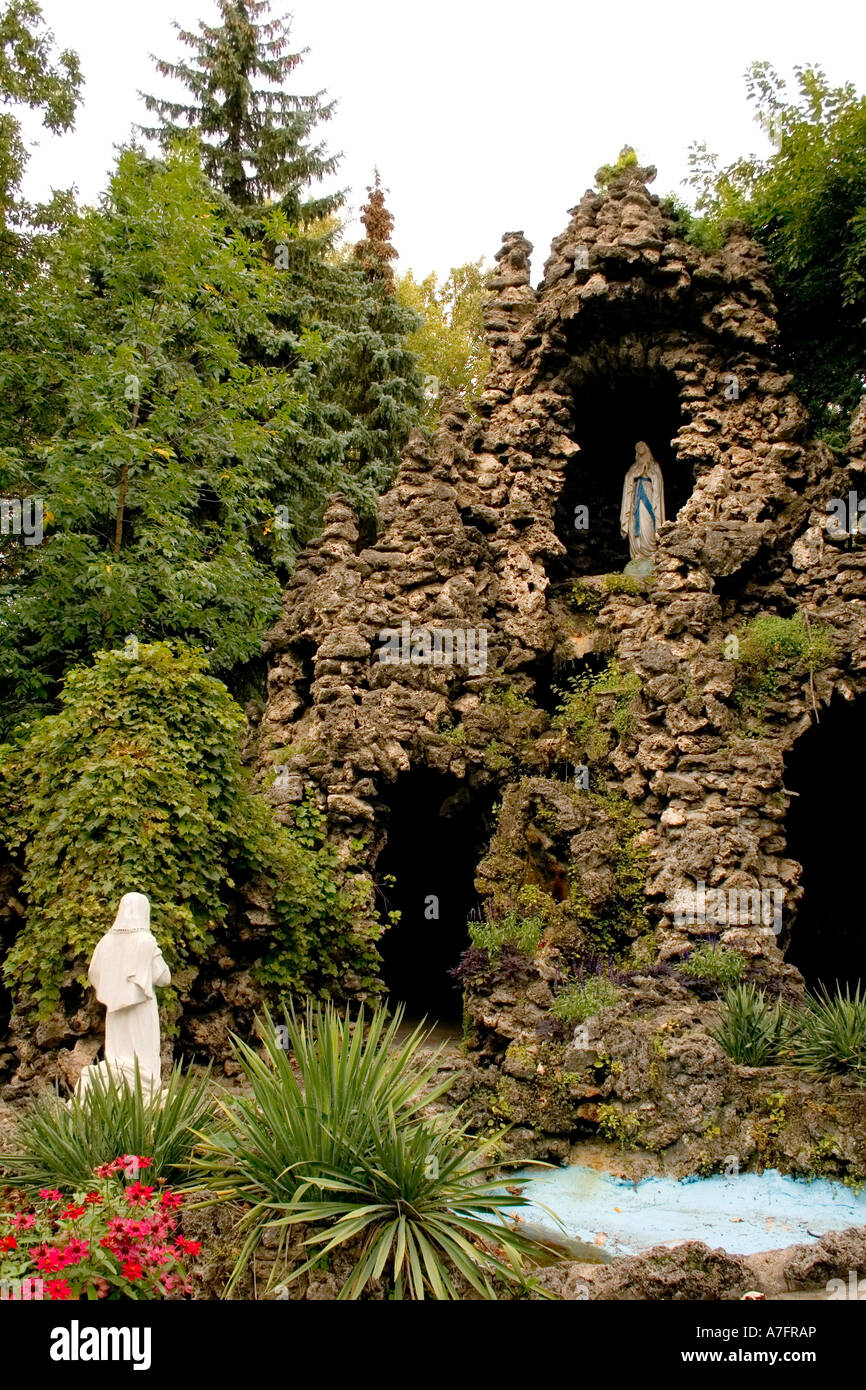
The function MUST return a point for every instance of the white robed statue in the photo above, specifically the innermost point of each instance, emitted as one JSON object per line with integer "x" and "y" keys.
{"x": 643, "y": 509}
{"x": 125, "y": 970}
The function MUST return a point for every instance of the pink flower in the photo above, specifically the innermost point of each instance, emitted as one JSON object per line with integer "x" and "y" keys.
{"x": 22, "y": 1221}
{"x": 50, "y": 1194}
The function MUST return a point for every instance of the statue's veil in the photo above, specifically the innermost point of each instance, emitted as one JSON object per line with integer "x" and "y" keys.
{"x": 133, "y": 913}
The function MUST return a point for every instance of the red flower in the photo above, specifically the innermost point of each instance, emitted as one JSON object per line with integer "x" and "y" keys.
{"x": 50, "y": 1194}
{"x": 132, "y": 1270}
{"x": 93, "y": 1199}
{"x": 58, "y": 1289}
{"x": 170, "y": 1201}
{"x": 8, "y": 1243}
{"x": 188, "y": 1247}
{"x": 74, "y": 1252}
{"x": 138, "y": 1194}
{"x": 49, "y": 1260}
{"x": 72, "y": 1213}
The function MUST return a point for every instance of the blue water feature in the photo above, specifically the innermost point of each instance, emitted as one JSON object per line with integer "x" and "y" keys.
{"x": 602, "y": 1216}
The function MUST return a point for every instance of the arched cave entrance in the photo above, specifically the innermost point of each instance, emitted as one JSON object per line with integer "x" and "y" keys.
{"x": 612, "y": 413}
{"x": 824, "y": 832}
{"x": 437, "y": 831}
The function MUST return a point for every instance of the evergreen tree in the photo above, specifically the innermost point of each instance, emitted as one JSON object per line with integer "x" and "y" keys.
{"x": 376, "y": 381}
{"x": 375, "y": 252}
{"x": 257, "y": 138}
{"x": 260, "y": 150}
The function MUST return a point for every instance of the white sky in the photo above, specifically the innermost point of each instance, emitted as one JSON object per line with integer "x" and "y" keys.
{"x": 484, "y": 116}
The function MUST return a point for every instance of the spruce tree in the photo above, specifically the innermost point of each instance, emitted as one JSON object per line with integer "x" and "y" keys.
{"x": 260, "y": 149}
{"x": 257, "y": 138}
{"x": 377, "y": 381}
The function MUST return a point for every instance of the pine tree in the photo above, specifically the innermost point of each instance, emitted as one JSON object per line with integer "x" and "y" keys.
{"x": 256, "y": 140}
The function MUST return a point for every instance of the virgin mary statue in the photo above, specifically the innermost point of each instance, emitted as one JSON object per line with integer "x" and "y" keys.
{"x": 643, "y": 509}
{"x": 125, "y": 970}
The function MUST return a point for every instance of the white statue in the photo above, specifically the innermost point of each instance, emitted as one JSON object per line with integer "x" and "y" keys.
{"x": 643, "y": 509}
{"x": 126, "y": 967}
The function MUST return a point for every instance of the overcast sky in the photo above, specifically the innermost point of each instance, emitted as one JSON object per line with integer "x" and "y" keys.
{"x": 483, "y": 117}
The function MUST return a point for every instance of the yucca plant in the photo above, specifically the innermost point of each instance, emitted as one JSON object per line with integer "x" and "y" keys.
{"x": 424, "y": 1203}
{"x": 58, "y": 1144}
{"x": 752, "y": 1029}
{"x": 335, "y": 1138}
{"x": 832, "y": 1033}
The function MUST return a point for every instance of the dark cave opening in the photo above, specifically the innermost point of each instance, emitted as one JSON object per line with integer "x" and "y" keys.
{"x": 824, "y": 833}
{"x": 611, "y": 416}
{"x": 438, "y": 829}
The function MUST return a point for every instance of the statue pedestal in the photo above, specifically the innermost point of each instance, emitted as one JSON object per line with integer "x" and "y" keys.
{"x": 639, "y": 568}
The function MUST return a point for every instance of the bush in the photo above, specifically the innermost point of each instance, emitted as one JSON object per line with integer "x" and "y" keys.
{"x": 752, "y": 1030}
{"x": 718, "y": 965}
{"x": 138, "y": 782}
{"x": 60, "y": 1145}
{"x": 524, "y": 933}
{"x": 112, "y": 1238}
{"x": 336, "y": 1141}
{"x": 584, "y": 999}
{"x": 831, "y": 1034}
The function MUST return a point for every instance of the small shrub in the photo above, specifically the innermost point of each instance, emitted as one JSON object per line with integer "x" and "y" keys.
{"x": 718, "y": 965}
{"x": 335, "y": 1141}
{"x": 583, "y": 999}
{"x": 831, "y": 1036}
{"x": 753, "y": 1029}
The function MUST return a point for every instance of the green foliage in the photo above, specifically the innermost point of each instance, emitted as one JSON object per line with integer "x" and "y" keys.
{"x": 608, "y": 173}
{"x": 585, "y": 598}
{"x": 584, "y": 999}
{"x": 335, "y": 1141}
{"x": 806, "y": 203}
{"x": 831, "y": 1034}
{"x": 772, "y": 650}
{"x": 507, "y": 698}
{"x": 58, "y": 1144}
{"x": 157, "y": 451}
{"x": 621, "y": 584}
{"x": 138, "y": 782}
{"x": 257, "y": 136}
{"x": 511, "y": 930}
{"x": 753, "y": 1028}
{"x": 29, "y": 76}
{"x": 610, "y": 692}
{"x": 450, "y": 343}
{"x": 623, "y": 917}
{"x": 618, "y": 1126}
{"x": 718, "y": 965}
{"x": 260, "y": 147}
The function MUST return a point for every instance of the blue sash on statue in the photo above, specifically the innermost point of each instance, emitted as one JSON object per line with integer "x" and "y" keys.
{"x": 642, "y": 495}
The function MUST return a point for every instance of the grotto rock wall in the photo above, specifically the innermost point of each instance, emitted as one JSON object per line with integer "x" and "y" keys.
{"x": 685, "y": 775}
